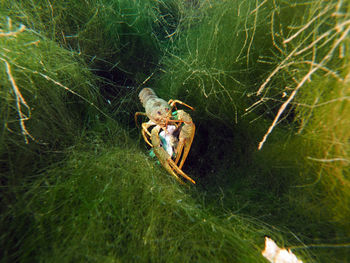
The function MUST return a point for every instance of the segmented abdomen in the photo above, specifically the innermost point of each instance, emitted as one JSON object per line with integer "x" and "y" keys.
{"x": 145, "y": 95}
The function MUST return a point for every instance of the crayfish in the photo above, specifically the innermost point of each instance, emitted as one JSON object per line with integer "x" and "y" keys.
{"x": 172, "y": 131}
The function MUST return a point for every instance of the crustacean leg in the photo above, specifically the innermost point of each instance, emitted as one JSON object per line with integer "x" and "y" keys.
{"x": 145, "y": 127}
{"x": 165, "y": 159}
{"x": 172, "y": 103}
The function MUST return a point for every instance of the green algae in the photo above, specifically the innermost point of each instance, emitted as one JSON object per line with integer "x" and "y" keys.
{"x": 46, "y": 95}
{"x": 112, "y": 204}
{"x": 84, "y": 191}
{"x": 276, "y": 80}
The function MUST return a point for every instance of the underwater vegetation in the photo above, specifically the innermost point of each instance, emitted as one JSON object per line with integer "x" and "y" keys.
{"x": 270, "y": 84}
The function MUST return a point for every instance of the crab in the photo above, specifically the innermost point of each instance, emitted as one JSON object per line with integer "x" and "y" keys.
{"x": 172, "y": 132}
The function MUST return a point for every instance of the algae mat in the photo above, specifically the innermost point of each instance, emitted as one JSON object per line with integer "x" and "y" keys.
{"x": 270, "y": 84}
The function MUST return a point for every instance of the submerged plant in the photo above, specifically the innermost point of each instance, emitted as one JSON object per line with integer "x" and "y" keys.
{"x": 36, "y": 86}
{"x": 113, "y": 204}
{"x": 47, "y": 98}
{"x": 272, "y": 75}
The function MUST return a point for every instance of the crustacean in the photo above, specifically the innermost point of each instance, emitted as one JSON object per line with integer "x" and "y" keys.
{"x": 172, "y": 131}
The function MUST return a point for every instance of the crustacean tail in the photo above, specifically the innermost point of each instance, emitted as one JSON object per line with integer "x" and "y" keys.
{"x": 146, "y": 94}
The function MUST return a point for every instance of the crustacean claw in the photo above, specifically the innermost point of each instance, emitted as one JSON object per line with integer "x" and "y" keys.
{"x": 164, "y": 157}
{"x": 186, "y": 136}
